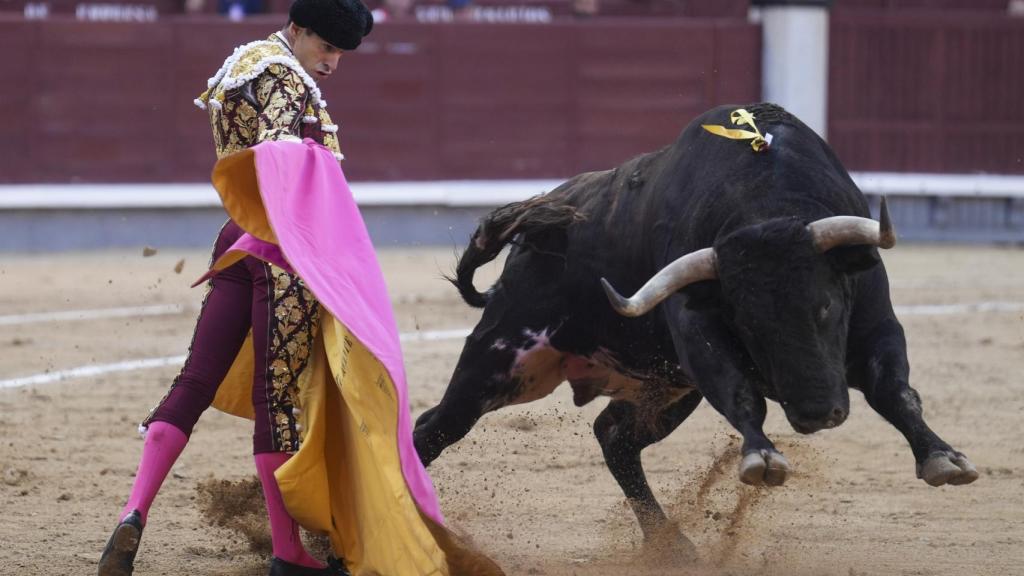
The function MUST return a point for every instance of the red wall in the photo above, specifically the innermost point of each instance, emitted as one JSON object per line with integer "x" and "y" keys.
{"x": 970, "y": 5}
{"x": 930, "y": 92}
{"x": 104, "y": 102}
{"x": 113, "y": 102}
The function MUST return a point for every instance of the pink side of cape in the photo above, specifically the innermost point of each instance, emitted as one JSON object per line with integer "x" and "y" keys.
{"x": 322, "y": 237}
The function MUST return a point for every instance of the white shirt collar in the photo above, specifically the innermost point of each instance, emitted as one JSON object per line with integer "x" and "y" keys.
{"x": 284, "y": 40}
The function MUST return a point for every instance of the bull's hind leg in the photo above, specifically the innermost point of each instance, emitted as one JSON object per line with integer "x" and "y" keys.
{"x": 882, "y": 372}
{"x": 624, "y": 429}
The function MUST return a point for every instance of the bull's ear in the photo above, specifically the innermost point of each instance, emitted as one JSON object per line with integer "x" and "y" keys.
{"x": 703, "y": 295}
{"x": 853, "y": 259}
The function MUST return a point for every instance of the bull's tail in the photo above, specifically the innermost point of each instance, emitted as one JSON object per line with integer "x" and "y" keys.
{"x": 499, "y": 228}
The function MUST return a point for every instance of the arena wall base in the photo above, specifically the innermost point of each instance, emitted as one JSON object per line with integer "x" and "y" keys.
{"x": 970, "y": 209}
{"x": 99, "y": 229}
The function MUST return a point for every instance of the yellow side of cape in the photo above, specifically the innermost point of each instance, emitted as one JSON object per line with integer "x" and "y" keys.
{"x": 347, "y": 480}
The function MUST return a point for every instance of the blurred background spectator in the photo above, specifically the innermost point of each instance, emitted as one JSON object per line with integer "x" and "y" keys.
{"x": 235, "y": 10}
{"x": 239, "y": 9}
{"x": 462, "y": 10}
{"x": 393, "y": 10}
{"x": 585, "y": 8}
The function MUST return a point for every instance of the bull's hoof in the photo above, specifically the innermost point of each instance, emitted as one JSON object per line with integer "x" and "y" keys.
{"x": 947, "y": 468}
{"x": 764, "y": 468}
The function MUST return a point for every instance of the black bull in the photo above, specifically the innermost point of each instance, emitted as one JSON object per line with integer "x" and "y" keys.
{"x": 761, "y": 276}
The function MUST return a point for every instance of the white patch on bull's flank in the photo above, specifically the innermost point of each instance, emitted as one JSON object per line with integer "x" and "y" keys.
{"x": 499, "y": 344}
{"x": 537, "y": 367}
{"x": 542, "y": 338}
{"x": 538, "y": 371}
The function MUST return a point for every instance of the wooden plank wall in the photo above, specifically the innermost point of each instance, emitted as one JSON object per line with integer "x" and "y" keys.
{"x": 112, "y": 102}
{"x": 927, "y": 92}
{"x": 933, "y": 5}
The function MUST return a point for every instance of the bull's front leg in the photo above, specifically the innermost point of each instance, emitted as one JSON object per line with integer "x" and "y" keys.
{"x": 882, "y": 372}
{"x": 725, "y": 377}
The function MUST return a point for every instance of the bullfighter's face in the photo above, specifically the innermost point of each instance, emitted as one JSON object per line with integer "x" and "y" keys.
{"x": 790, "y": 307}
{"x": 318, "y": 57}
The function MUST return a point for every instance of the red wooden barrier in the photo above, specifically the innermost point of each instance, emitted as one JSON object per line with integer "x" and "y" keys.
{"x": 933, "y": 5}
{"x": 928, "y": 92}
{"x": 921, "y": 91}
{"x": 93, "y": 102}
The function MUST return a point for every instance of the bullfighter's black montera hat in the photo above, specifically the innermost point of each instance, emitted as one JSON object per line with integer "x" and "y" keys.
{"x": 342, "y": 23}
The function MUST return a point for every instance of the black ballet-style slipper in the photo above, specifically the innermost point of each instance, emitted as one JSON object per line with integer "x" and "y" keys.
{"x": 334, "y": 567}
{"x": 338, "y": 566}
{"x": 118, "y": 557}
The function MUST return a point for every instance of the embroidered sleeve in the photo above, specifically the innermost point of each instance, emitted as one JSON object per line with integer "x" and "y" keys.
{"x": 281, "y": 96}
{"x": 330, "y": 131}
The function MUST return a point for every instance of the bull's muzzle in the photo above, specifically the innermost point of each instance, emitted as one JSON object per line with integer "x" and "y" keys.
{"x": 809, "y": 424}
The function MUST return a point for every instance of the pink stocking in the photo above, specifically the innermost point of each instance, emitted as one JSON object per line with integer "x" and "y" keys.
{"x": 284, "y": 531}
{"x": 164, "y": 443}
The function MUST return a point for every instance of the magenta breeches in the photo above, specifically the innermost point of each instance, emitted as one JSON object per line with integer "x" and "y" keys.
{"x": 283, "y": 316}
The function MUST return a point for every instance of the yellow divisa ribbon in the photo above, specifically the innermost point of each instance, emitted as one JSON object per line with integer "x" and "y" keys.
{"x": 740, "y": 117}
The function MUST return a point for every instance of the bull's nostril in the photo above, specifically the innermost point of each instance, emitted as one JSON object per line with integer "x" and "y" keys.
{"x": 836, "y": 418}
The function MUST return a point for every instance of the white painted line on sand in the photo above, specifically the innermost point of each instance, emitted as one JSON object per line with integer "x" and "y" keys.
{"x": 434, "y": 335}
{"x": 90, "y": 370}
{"x": 949, "y": 309}
{"x": 101, "y": 369}
{"x": 426, "y": 336}
{"x": 72, "y": 315}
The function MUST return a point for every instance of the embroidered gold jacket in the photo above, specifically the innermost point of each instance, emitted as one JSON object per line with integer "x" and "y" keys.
{"x": 262, "y": 93}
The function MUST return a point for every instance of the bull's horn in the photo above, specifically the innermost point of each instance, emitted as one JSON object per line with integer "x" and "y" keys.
{"x": 693, "y": 267}
{"x": 850, "y": 230}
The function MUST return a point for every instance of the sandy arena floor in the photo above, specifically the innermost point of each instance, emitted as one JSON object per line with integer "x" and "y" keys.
{"x": 528, "y": 485}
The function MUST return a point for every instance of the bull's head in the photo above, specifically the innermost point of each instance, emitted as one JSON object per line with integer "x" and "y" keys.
{"x": 786, "y": 293}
